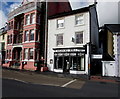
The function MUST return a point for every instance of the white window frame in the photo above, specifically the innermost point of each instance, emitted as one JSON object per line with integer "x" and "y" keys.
{"x": 79, "y": 19}
{"x": 26, "y": 54}
{"x": 26, "y": 36}
{"x": 33, "y": 18}
{"x": 79, "y": 42}
{"x": 28, "y": 19}
{"x": 32, "y": 32}
{"x": 31, "y": 50}
{"x": 60, "y": 23}
{"x": 59, "y": 41}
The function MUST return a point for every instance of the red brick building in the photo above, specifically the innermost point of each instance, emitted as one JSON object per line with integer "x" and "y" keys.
{"x": 26, "y": 33}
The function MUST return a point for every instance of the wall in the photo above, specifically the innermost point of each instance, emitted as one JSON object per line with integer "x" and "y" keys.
{"x": 68, "y": 32}
{"x": 110, "y": 43}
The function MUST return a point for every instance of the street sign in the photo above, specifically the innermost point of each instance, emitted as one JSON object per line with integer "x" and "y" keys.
{"x": 96, "y": 56}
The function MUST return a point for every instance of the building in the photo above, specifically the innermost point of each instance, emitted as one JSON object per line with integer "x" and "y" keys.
{"x": 70, "y": 37}
{"x": 26, "y": 34}
{"x": 3, "y": 43}
{"x": 110, "y": 47}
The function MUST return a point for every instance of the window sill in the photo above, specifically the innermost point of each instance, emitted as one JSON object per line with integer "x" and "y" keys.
{"x": 77, "y": 25}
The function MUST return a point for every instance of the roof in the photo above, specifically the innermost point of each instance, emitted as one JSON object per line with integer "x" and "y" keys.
{"x": 85, "y": 9}
{"x": 113, "y": 27}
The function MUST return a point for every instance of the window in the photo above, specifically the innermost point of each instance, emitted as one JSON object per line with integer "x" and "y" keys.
{"x": 38, "y": 18}
{"x": 25, "y": 53}
{"x": 12, "y": 25}
{"x": 79, "y": 19}
{"x": 27, "y": 19}
{"x": 31, "y": 35}
{"x": 31, "y": 53}
{"x": 79, "y": 37}
{"x": 26, "y": 35}
{"x": 8, "y": 39}
{"x": 60, "y": 23}
{"x": 3, "y": 37}
{"x": 32, "y": 18}
{"x": 59, "y": 39}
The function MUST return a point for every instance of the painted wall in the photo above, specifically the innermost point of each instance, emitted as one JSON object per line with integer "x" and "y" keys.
{"x": 110, "y": 43}
{"x": 68, "y": 32}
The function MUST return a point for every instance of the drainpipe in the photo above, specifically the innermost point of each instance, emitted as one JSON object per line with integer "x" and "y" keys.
{"x": 89, "y": 58}
{"x": 45, "y": 53}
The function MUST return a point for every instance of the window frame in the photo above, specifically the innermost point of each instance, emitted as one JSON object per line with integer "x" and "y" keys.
{"x": 26, "y": 53}
{"x": 32, "y": 34}
{"x": 79, "y": 37}
{"x": 78, "y": 19}
{"x": 26, "y": 36}
{"x": 59, "y": 40}
{"x": 59, "y": 23}
{"x": 31, "y": 55}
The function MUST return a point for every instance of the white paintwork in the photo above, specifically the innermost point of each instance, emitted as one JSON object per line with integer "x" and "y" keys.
{"x": 68, "y": 32}
{"x": 96, "y": 56}
{"x": 109, "y": 68}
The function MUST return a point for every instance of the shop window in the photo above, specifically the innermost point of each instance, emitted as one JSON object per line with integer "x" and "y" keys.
{"x": 32, "y": 35}
{"x": 79, "y": 19}
{"x": 58, "y": 62}
{"x": 25, "y": 53}
{"x": 37, "y": 54}
{"x": 59, "y": 39}
{"x": 79, "y": 37}
{"x": 32, "y": 18}
{"x": 60, "y": 23}
{"x": 31, "y": 53}
{"x": 26, "y": 35}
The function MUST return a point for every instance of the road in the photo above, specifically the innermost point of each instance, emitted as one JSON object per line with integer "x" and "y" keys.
{"x": 61, "y": 87}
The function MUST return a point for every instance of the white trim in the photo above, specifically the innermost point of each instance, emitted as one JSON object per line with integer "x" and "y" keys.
{"x": 77, "y": 72}
{"x": 58, "y": 70}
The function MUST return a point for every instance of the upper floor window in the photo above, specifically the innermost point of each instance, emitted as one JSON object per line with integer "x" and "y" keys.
{"x": 32, "y": 34}
{"x": 31, "y": 53}
{"x": 79, "y": 37}
{"x": 59, "y": 39}
{"x": 27, "y": 19}
{"x": 60, "y": 23}
{"x": 79, "y": 19}
{"x": 32, "y": 18}
{"x": 26, "y": 35}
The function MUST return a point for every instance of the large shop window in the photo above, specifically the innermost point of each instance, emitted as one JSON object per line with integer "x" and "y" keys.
{"x": 32, "y": 35}
{"x": 26, "y": 35}
{"x": 59, "y": 39}
{"x": 69, "y": 62}
{"x": 79, "y": 19}
{"x": 58, "y": 62}
{"x": 25, "y": 53}
{"x": 79, "y": 37}
{"x": 60, "y": 23}
{"x": 31, "y": 53}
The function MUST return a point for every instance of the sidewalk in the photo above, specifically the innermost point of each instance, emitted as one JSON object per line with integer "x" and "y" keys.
{"x": 71, "y": 76}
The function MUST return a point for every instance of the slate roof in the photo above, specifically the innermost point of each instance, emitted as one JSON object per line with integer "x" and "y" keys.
{"x": 113, "y": 27}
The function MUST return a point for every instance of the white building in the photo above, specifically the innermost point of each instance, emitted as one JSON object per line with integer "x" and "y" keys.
{"x": 68, "y": 33}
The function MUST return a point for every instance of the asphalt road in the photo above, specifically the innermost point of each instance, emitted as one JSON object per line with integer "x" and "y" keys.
{"x": 13, "y": 88}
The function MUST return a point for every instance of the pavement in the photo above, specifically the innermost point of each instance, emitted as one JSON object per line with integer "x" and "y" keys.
{"x": 64, "y": 76}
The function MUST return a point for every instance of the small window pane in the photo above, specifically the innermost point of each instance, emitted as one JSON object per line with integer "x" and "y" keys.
{"x": 26, "y": 35}
{"x": 26, "y": 54}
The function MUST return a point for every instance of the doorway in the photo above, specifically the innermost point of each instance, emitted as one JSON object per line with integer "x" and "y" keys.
{"x": 66, "y": 65}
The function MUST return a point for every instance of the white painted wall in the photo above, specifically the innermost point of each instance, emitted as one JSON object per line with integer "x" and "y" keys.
{"x": 68, "y": 32}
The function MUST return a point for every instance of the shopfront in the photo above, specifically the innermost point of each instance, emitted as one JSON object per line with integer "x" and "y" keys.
{"x": 68, "y": 60}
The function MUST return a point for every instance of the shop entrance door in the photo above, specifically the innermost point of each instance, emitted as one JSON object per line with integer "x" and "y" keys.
{"x": 66, "y": 65}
